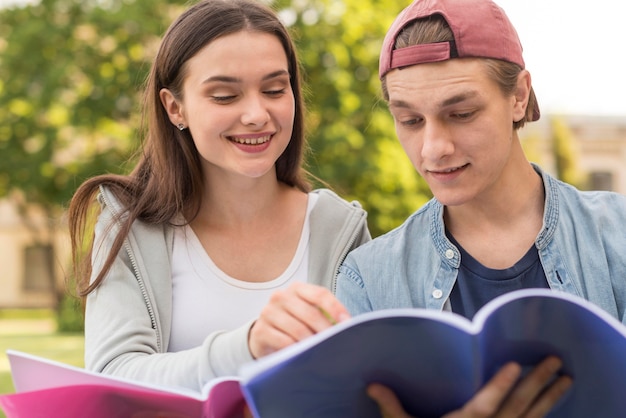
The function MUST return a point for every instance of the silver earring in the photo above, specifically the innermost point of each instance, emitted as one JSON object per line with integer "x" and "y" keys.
{"x": 181, "y": 127}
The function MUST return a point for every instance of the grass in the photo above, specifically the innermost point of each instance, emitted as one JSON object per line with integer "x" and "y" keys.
{"x": 34, "y": 332}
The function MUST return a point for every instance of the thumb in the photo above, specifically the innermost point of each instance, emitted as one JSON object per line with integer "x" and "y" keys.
{"x": 388, "y": 402}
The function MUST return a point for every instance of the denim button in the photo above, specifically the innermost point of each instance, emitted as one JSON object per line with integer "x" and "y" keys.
{"x": 449, "y": 254}
{"x": 437, "y": 293}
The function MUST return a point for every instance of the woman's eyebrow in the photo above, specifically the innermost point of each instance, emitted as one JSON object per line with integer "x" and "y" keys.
{"x": 230, "y": 79}
{"x": 275, "y": 74}
{"x": 222, "y": 79}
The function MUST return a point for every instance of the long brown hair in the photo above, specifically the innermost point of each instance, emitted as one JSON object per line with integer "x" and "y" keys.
{"x": 434, "y": 29}
{"x": 167, "y": 180}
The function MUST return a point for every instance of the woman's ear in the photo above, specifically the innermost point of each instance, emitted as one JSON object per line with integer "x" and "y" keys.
{"x": 173, "y": 108}
{"x": 522, "y": 95}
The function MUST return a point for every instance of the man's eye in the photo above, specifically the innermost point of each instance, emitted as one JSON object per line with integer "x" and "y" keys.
{"x": 410, "y": 122}
{"x": 463, "y": 115}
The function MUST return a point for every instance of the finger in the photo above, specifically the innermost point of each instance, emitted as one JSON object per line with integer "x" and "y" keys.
{"x": 265, "y": 338}
{"x": 292, "y": 315}
{"x": 529, "y": 388}
{"x": 246, "y": 412}
{"x": 487, "y": 400}
{"x": 306, "y": 305}
{"x": 275, "y": 329}
{"x": 388, "y": 402}
{"x": 550, "y": 397}
{"x": 331, "y": 308}
{"x": 314, "y": 306}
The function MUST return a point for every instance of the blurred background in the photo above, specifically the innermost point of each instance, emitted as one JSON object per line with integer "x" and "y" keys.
{"x": 71, "y": 75}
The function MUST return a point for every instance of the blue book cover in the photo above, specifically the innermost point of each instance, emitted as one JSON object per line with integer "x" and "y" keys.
{"x": 436, "y": 361}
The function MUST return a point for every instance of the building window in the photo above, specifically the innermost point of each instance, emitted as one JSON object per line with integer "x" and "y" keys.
{"x": 601, "y": 180}
{"x": 38, "y": 267}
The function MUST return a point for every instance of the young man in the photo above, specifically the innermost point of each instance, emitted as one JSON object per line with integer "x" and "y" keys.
{"x": 453, "y": 75}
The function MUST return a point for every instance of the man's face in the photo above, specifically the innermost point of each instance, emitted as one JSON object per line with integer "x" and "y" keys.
{"x": 456, "y": 126}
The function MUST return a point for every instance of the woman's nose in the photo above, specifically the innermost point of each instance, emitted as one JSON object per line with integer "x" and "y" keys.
{"x": 255, "y": 112}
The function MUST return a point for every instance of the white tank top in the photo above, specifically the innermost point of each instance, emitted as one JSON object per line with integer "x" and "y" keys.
{"x": 205, "y": 299}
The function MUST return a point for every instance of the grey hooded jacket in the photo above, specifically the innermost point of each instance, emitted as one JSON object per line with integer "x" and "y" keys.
{"x": 128, "y": 317}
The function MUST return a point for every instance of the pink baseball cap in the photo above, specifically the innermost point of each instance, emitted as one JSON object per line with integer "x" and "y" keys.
{"x": 481, "y": 29}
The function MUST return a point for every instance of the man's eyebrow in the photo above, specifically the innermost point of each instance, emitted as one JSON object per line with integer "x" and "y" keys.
{"x": 459, "y": 98}
{"x": 229, "y": 79}
{"x": 399, "y": 104}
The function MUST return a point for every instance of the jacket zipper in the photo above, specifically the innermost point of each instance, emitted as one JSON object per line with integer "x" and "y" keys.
{"x": 138, "y": 277}
{"x": 142, "y": 287}
{"x": 344, "y": 254}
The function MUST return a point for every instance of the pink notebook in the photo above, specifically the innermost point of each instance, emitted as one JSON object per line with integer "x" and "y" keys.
{"x": 49, "y": 389}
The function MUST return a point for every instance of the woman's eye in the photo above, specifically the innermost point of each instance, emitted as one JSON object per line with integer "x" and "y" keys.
{"x": 223, "y": 99}
{"x": 277, "y": 92}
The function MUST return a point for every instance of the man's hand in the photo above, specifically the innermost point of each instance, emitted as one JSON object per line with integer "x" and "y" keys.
{"x": 502, "y": 397}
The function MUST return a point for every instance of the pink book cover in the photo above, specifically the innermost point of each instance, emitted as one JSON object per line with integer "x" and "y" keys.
{"x": 49, "y": 389}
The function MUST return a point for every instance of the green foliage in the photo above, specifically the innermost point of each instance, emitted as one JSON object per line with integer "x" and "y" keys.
{"x": 351, "y": 133}
{"x": 565, "y": 152}
{"x": 69, "y": 315}
{"x": 532, "y": 148}
{"x": 70, "y": 81}
{"x": 72, "y": 72}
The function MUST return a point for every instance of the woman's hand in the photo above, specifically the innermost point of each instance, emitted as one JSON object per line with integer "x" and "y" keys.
{"x": 292, "y": 315}
{"x": 502, "y": 397}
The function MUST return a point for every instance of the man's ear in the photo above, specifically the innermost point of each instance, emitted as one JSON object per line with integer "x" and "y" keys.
{"x": 173, "y": 107}
{"x": 522, "y": 95}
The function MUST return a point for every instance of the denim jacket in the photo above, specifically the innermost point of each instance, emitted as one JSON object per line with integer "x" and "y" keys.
{"x": 582, "y": 247}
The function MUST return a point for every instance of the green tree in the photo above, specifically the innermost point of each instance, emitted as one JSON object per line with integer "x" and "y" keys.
{"x": 565, "y": 152}
{"x": 351, "y": 133}
{"x": 70, "y": 73}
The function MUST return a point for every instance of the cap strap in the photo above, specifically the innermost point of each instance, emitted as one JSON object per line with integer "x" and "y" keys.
{"x": 423, "y": 53}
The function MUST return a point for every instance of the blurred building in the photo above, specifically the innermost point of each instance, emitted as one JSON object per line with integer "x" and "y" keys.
{"x": 33, "y": 257}
{"x": 599, "y": 144}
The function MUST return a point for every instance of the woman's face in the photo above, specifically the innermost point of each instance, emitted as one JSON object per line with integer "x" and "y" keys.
{"x": 237, "y": 103}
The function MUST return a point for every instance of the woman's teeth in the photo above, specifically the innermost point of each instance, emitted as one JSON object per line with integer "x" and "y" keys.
{"x": 251, "y": 141}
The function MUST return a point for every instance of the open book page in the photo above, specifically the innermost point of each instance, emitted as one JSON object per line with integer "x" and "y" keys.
{"x": 529, "y": 324}
{"x": 405, "y": 349}
{"x": 30, "y": 373}
{"x": 50, "y": 389}
{"x": 436, "y": 361}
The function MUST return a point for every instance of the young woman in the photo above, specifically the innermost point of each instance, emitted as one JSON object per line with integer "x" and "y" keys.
{"x": 217, "y": 214}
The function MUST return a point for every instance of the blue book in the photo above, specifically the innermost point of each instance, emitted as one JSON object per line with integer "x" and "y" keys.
{"x": 436, "y": 361}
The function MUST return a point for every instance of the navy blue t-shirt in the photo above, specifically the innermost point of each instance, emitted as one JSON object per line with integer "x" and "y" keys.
{"x": 476, "y": 284}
